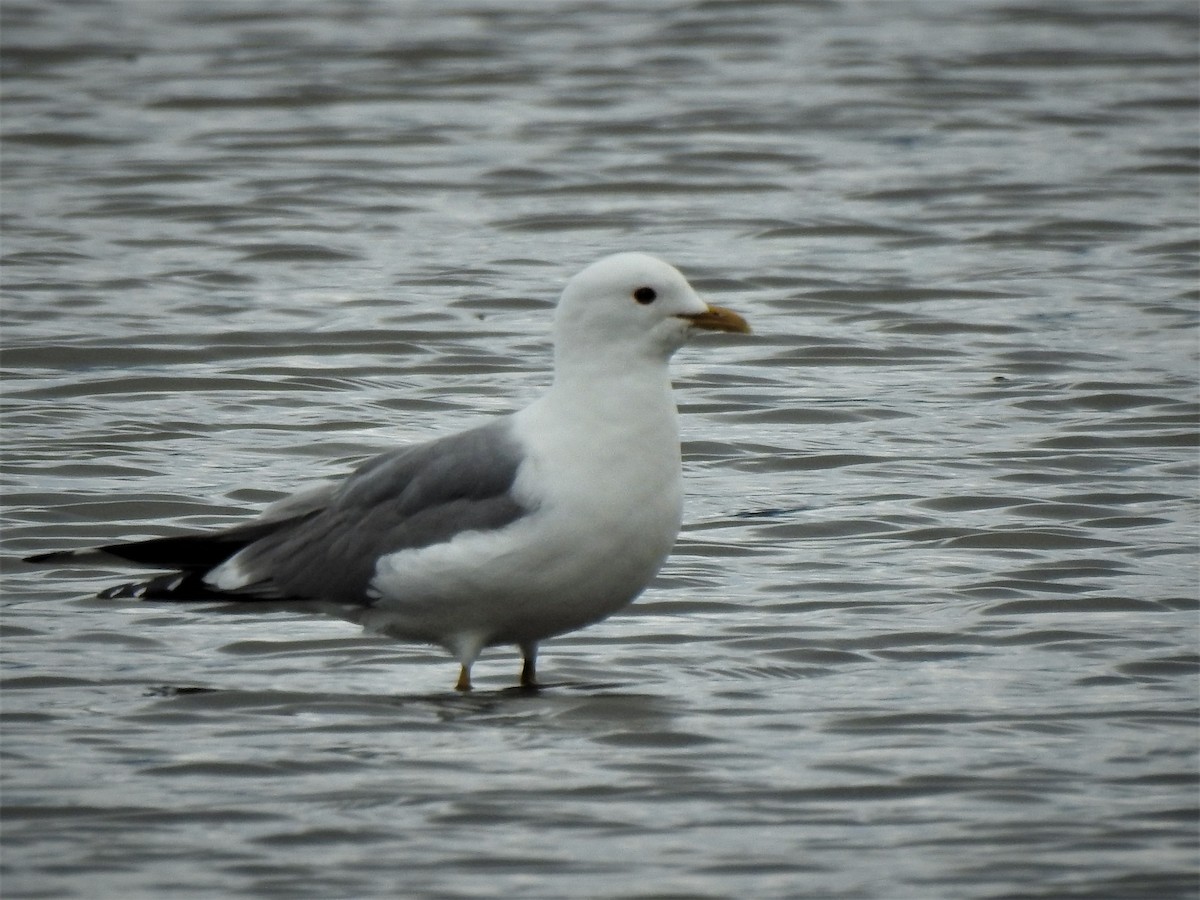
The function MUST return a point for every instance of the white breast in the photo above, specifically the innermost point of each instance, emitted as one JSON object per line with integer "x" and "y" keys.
{"x": 604, "y": 521}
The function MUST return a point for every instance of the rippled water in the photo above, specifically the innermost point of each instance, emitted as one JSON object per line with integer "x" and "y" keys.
{"x": 931, "y": 630}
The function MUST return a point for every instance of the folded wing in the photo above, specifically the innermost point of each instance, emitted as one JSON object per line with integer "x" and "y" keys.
{"x": 323, "y": 544}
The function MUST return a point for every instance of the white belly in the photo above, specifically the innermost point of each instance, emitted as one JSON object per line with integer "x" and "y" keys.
{"x": 581, "y": 556}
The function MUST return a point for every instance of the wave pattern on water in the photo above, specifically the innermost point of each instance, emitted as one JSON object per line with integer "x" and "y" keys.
{"x": 931, "y": 629}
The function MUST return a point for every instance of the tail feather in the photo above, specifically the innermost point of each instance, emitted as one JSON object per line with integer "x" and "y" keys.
{"x": 192, "y": 556}
{"x": 186, "y": 552}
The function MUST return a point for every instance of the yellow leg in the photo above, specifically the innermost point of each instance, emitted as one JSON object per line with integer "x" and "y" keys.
{"x": 465, "y": 647}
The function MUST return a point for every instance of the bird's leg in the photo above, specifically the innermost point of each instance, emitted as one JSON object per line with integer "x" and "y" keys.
{"x": 529, "y": 666}
{"x": 466, "y": 646}
{"x": 464, "y": 678}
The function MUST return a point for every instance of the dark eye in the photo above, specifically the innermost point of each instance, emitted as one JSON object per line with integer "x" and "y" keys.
{"x": 645, "y": 295}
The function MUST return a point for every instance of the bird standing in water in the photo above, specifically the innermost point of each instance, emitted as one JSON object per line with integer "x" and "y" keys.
{"x": 527, "y": 526}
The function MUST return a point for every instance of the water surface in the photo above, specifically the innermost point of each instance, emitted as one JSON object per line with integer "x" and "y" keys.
{"x": 931, "y": 629}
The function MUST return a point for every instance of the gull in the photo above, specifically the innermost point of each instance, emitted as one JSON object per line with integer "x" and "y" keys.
{"x": 527, "y": 526}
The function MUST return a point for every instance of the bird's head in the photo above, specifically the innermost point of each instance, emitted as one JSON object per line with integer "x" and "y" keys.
{"x": 633, "y": 306}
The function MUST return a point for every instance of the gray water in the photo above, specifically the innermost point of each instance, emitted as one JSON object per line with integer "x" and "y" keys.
{"x": 931, "y": 628}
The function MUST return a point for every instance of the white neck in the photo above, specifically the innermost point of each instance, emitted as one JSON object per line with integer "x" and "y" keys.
{"x": 602, "y": 454}
{"x": 630, "y": 397}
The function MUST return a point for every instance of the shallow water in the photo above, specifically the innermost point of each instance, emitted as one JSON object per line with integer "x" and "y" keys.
{"x": 931, "y": 629}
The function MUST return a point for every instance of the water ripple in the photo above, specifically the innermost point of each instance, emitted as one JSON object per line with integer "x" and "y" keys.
{"x": 931, "y": 626}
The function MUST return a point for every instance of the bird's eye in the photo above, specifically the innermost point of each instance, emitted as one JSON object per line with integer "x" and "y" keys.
{"x": 645, "y": 295}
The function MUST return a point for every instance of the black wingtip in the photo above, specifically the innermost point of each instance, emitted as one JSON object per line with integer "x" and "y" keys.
{"x": 176, "y": 587}
{"x": 164, "y": 587}
{"x": 132, "y": 590}
{"x": 52, "y": 556}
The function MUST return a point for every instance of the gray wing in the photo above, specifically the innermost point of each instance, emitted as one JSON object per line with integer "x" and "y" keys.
{"x": 301, "y": 503}
{"x": 408, "y": 498}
